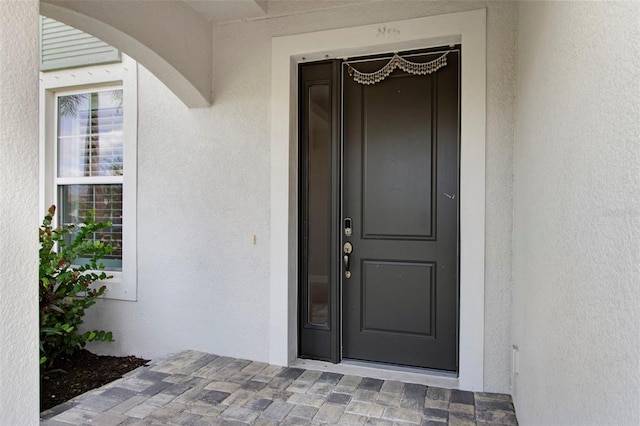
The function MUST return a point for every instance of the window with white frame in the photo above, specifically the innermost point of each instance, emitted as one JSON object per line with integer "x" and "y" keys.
{"x": 90, "y": 164}
{"x": 88, "y": 147}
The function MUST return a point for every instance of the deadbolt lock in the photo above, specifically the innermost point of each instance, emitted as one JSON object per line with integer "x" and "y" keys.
{"x": 347, "y": 227}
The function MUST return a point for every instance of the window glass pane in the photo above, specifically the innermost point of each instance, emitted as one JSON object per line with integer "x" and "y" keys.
{"x": 76, "y": 201}
{"x": 319, "y": 220}
{"x": 90, "y": 134}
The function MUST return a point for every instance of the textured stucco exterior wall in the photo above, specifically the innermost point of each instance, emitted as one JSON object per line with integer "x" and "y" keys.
{"x": 577, "y": 214}
{"x": 19, "y": 380}
{"x": 203, "y": 190}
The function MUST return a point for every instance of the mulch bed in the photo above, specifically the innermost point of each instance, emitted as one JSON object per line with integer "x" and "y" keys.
{"x": 80, "y": 373}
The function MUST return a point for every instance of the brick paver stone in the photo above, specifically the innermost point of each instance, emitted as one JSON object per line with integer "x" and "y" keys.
{"x": 303, "y": 411}
{"x": 155, "y": 388}
{"x": 291, "y": 373}
{"x": 438, "y": 393}
{"x": 176, "y": 389}
{"x": 116, "y": 392}
{"x": 258, "y": 404}
{"x": 240, "y": 414}
{"x": 297, "y": 421}
{"x": 372, "y": 421}
{"x": 352, "y": 419}
{"x": 240, "y": 377}
{"x": 255, "y": 367}
{"x": 348, "y": 384}
{"x": 402, "y": 415}
{"x": 462, "y": 410}
{"x": 206, "y": 410}
{"x": 371, "y": 384}
{"x": 389, "y": 399}
{"x": 268, "y": 373}
{"x": 160, "y": 399}
{"x": 223, "y": 386}
{"x": 483, "y": 404}
{"x": 178, "y": 378}
{"x": 460, "y": 421}
{"x": 331, "y": 378}
{"x": 496, "y": 416}
{"x": 166, "y": 413}
{"x": 433, "y": 423}
{"x": 207, "y": 421}
{"x": 329, "y": 413}
{"x": 253, "y": 385}
{"x": 366, "y": 409}
{"x": 108, "y": 419}
{"x": 213, "y": 396}
{"x": 320, "y": 388}
{"x": 274, "y": 394}
{"x": 76, "y": 416}
{"x": 365, "y": 395}
{"x": 305, "y": 399}
{"x": 185, "y": 418}
{"x": 413, "y": 396}
{"x": 339, "y": 398}
{"x": 135, "y": 384}
{"x": 261, "y": 421}
{"x": 191, "y": 365}
{"x": 494, "y": 396}
{"x": 239, "y": 397}
{"x": 436, "y": 414}
{"x": 391, "y": 386}
{"x": 435, "y": 403}
{"x": 303, "y": 383}
{"x": 141, "y": 411}
{"x": 461, "y": 397}
{"x": 127, "y": 405}
{"x": 277, "y": 411}
{"x": 98, "y": 403}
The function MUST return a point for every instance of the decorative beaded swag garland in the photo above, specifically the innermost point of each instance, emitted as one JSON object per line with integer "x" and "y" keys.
{"x": 398, "y": 62}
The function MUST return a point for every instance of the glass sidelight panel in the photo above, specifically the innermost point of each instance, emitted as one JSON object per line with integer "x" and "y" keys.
{"x": 319, "y": 207}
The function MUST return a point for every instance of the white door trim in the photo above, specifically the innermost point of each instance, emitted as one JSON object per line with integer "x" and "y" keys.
{"x": 466, "y": 28}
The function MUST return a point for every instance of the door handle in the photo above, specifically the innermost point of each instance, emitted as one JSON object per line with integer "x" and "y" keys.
{"x": 348, "y": 248}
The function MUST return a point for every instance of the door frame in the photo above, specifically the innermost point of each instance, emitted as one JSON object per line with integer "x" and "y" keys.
{"x": 465, "y": 28}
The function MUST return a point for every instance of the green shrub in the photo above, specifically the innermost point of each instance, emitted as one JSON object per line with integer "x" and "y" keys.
{"x": 65, "y": 291}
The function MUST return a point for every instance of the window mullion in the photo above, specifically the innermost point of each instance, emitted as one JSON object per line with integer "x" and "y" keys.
{"x": 90, "y": 180}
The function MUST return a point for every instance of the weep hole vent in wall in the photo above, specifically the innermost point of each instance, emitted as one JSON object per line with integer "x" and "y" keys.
{"x": 62, "y": 46}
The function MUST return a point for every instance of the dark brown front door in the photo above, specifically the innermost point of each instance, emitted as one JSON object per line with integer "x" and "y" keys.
{"x": 400, "y": 192}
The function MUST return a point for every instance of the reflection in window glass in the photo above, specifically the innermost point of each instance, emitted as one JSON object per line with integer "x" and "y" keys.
{"x": 319, "y": 191}
{"x": 90, "y": 134}
{"x": 76, "y": 201}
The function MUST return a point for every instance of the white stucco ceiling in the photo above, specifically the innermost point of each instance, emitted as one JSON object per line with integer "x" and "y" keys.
{"x": 217, "y": 11}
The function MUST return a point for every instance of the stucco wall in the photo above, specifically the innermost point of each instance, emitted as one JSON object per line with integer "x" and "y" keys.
{"x": 19, "y": 379}
{"x": 577, "y": 214}
{"x": 204, "y": 190}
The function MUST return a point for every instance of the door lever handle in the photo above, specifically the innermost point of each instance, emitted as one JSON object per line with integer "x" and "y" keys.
{"x": 348, "y": 248}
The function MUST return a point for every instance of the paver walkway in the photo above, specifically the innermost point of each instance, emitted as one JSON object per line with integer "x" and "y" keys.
{"x": 195, "y": 388}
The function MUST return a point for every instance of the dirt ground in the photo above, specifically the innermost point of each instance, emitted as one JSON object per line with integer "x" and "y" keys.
{"x": 82, "y": 372}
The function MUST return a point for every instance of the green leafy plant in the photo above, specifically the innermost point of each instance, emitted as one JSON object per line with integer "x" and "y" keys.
{"x": 69, "y": 264}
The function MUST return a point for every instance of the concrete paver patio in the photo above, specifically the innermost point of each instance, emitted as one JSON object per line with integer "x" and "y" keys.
{"x": 195, "y": 388}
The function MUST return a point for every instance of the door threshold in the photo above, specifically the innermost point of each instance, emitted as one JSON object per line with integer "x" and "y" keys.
{"x": 383, "y": 371}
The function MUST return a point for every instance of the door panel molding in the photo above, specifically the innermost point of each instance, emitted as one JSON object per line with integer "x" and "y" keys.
{"x": 427, "y": 299}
